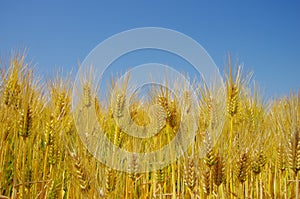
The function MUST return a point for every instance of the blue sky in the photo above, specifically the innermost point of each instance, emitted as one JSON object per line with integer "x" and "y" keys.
{"x": 265, "y": 36}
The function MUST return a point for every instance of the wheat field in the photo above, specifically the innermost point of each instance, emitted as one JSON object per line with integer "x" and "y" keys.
{"x": 255, "y": 155}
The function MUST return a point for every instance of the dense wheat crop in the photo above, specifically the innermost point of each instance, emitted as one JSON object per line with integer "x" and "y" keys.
{"x": 256, "y": 155}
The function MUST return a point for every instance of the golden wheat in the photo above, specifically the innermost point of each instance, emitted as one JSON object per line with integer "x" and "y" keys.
{"x": 248, "y": 150}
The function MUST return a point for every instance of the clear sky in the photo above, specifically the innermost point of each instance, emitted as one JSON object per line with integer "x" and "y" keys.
{"x": 264, "y": 35}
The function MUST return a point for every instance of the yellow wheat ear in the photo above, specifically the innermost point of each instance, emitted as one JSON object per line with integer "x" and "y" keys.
{"x": 233, "y": 89}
